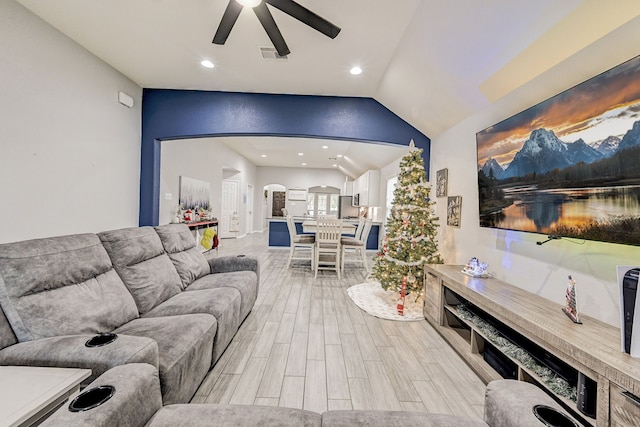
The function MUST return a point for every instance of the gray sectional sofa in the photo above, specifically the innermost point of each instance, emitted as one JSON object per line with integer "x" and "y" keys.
{"x": 168, "y": 306}
{"x": 137, "y": 403}
{"x": 128, "y": 407}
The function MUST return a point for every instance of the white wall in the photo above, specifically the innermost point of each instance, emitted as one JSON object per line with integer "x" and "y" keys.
{"x": 69, "y": 153}
{"x": 208, "y": 160}
{"x": 387, "y": 172}
{"x": 514, "y": 256}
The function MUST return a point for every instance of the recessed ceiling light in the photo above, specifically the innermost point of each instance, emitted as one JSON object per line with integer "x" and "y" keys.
{"x": 334, "y": 165}
{"x": 304, "y": 164}
{"x": 300, "y": 154}
{"x": 324, "y": 147}
{"x": 206, "y": 63}
{"x": 339, "y": 155}
{"x": 355, "y": 70}
{"x": 263, "y": 155}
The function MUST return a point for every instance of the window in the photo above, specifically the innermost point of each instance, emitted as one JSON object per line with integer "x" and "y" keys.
{"x": 322, "y": 201}
{"x": 322, "y": 204}
{"x": 311, "y": 204}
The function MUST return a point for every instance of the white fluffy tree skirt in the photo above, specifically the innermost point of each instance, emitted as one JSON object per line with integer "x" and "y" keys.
{"x": 373, "y": 299}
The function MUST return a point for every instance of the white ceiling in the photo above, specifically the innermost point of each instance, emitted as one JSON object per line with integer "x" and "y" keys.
{"x": 432, "y": 62}
{"x": 351, "y": 158}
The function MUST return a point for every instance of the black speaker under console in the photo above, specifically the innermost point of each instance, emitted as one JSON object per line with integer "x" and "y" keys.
{"x": 501, "y": 363}
{"x": 587, "y": 395}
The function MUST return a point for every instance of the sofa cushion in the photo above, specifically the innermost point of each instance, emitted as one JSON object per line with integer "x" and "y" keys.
{"x": 136, "y": 399}
{"x": 140, "y": 260}
{"x": 184, "y": 350}
{"x": 396, "y": 418}
{"x": 71, "y": 352}
{"x": 222, "y": 303}
{"x": 61, "y": 286}
{"x": 7, "y": 337}
{"x": 180, "y": 244}
{"x": 206, "y": 415}
{"x": 246, "y": 282}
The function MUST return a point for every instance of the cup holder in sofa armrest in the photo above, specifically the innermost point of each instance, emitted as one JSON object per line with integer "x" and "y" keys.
{"x": 100, "y": 340}
{"x": 552, "y": 417}
{"x": 92, "y": 398}
{"x": 240, "y": 256}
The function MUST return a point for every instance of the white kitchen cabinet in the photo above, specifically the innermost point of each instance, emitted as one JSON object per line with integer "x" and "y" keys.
{"x": 368, "y": 187}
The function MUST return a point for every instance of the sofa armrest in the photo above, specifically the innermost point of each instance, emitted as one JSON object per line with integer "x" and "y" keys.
{"x": 511, "y": 402}
{"x": 70, "y": 352}
{"x": 228, "y": 264}
{"x": 136, "y": 398}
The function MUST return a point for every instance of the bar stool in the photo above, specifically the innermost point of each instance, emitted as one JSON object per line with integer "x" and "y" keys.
{"x": 327, "y": 248}
{"x": 299, "y": 241}
{"x": 357, "y": 243}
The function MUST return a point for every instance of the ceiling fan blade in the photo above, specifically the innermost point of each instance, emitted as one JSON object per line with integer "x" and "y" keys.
{"x": 227, "y": 22}
{"x": 306, "y": 16}
{"x": 270, "y": 26}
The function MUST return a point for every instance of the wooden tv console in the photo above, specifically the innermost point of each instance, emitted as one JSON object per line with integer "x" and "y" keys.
{"x": 591, "y": 349}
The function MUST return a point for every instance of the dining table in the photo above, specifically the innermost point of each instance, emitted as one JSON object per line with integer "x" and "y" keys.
{"x": 311, "y": 226}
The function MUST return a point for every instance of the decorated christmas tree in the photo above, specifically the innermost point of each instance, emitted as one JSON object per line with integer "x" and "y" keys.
{"x": 411, "y": 230}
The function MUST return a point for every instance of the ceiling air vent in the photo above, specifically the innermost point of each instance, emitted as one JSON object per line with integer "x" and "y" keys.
{"x": 271, "y": 54}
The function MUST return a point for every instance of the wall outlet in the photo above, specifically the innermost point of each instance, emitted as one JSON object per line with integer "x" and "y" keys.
{"x": 168, "y": 196}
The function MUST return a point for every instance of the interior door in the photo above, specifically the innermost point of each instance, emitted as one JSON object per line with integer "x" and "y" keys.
{"x": 279, "y": 200}
{"x": 229, "y": 214}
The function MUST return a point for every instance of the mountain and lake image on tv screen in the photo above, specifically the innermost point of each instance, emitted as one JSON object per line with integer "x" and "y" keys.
{"x": 569, "y": 166}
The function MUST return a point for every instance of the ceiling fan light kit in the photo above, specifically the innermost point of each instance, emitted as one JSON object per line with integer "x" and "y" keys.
{"x": 290, "y": 7}
{"x": 249, "y": 3}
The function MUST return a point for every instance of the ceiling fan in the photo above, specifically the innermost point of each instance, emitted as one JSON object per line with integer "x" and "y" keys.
{"x": 289, "y": 7}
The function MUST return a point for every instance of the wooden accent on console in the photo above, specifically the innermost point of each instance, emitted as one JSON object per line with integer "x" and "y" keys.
{"x": 592, "y": 348}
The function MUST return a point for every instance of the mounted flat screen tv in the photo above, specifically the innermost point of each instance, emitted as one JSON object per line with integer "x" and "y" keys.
{"x": 569, "y": 166}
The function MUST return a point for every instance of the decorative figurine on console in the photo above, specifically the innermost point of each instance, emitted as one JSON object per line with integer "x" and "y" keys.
{"x": 475, "y": 268}
{"x": 571, "y": 306}
{"x": 179, "y": 217}
{"x": 188, "y": 215}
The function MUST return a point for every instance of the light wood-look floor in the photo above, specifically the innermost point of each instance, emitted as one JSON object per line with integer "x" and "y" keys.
{"x": 307, "y": 345}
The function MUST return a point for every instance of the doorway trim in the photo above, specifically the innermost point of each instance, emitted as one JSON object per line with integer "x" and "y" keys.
{"x": 249, "y": 209}
{"x": 181, "y": 114}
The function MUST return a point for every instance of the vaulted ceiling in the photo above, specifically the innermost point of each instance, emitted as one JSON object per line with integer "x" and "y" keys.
{"x": 431, "y": 62}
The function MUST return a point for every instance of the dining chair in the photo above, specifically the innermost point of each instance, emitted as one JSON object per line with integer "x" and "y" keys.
{"x": 357, "y": 243}
{"x": 306, "y": 242}
{"x": 327, "y": 248}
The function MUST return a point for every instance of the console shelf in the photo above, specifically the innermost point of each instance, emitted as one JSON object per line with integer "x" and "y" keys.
{"x": 506, "y": 332}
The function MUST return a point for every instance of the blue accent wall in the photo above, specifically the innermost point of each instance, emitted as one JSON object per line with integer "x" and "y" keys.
{"x": 179, "y": 114}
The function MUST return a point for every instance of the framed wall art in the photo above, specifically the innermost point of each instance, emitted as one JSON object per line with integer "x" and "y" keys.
{"x": 454, "y": 210}
{"x": 297, "y": 194}
{"x": 194, "y": 193}
{"x": 441, "y": 183}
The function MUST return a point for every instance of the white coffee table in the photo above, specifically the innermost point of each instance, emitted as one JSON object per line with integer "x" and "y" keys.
{"x": 28, "y": 394}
